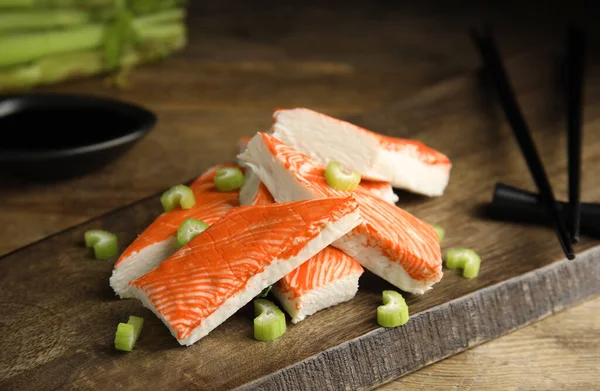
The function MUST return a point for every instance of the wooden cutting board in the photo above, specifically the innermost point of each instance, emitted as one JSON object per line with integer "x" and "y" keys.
{"x": 58, "y": 314}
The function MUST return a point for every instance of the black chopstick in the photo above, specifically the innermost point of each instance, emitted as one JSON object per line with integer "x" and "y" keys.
{"x": 513, "y": 204}
{"x": 493, "y": 63}
{"x": 575, "y": 69}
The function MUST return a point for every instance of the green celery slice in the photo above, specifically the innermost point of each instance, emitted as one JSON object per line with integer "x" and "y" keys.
{"x": 125, "y": 337}
{"x": 189, "y": 229}
{"x": 339, "y": 178}
{"x": 229, "y": 178}
{"x": 178, "y": 195}
{"x": 440, "y": 231}
{"x": 463, "y": 258}
{"x": 265, "y": 291}
{"x": 104, "y": 243}
{"x": 137, "y": 324}
{"x": 269, "y": 323}
{"x": 394, "y": 311}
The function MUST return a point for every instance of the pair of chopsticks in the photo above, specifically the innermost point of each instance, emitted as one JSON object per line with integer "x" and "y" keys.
{"x": 485, "y": 43}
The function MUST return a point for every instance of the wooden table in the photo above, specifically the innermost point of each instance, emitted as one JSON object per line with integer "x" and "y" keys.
{"x": 343, "y": 59}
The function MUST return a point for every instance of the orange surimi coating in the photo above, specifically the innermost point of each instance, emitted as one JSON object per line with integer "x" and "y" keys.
{"x": 211, "y": 205}
{"x": 194, "y": 282}
{"x": 327, "y": 266}
{"x": 416, "y": 148}
{"x": 262, "y": 196}
{"x": 376, "y": 188}
{"x": 400, "y": 236}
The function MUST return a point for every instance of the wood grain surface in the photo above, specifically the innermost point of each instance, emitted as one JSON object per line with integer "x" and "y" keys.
{"x": 566, "y": 357}
{"x": 407, "y": 71}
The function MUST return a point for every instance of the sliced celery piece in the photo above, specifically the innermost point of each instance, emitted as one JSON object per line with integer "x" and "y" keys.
{"x": 229, "y": 178}
{"x": 104, "y": 243}
{"x": 440, "y": 231}
{"x": 463, "y": 258}
{"x": 179, "y": 195}
{"x": 394, "y": 311}
{"x": 265, "y": 291}
{"x": 339, "y": 178}
{"x": 189, "y": 229}
{"x": 137, "y": 324}
{"x": 125, "y": 337}
{"x": 269, "y": 323}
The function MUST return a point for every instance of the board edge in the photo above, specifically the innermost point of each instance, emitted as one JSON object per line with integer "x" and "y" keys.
{"x": 384, "y": 355}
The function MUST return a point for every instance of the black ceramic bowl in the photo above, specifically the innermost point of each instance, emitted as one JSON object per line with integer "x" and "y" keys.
{"x": 50, "y": 136}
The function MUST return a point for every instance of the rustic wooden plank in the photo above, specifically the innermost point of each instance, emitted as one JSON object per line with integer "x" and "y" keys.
{"x": 561, "y": 352}
{"x": 385, "y": 354}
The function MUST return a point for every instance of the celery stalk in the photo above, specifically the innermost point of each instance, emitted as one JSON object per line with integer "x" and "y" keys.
{"x": 67, "y": 66}
{"x": 55, "y": 3}
{"x": 17, "y": 3}
{"x": 23, "y": 48}
{"x": 159, "y": 31}
{"x": 169, "y": 16}
{"x": 41, "y": 19}
{"x": 118, "y": 34}
{"x": 27, "y": 47}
